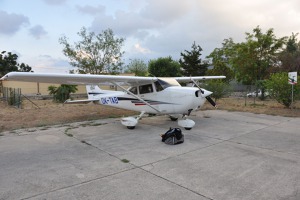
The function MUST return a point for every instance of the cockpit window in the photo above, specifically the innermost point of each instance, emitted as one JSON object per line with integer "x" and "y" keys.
{"x": 158, "y": 86}
{"x": 133, "y": 90}
{"x": 145, "y": 89}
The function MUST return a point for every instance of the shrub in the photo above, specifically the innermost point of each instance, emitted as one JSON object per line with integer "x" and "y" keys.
{"x": 61, "y": 93}
{"x": 279, "y": 88}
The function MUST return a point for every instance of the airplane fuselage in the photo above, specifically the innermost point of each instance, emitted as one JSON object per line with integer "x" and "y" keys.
{"x": 172, "y": 100}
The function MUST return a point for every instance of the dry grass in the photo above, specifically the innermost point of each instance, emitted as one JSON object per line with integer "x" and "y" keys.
{"x": 269, "y": 106}
{"x": 51, "y": 113}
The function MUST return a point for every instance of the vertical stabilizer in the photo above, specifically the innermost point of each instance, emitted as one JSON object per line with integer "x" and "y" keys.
{"x": 93, "y": 92}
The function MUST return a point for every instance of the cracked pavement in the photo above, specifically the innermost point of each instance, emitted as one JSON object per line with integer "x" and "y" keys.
{"x": 227, "y": 155}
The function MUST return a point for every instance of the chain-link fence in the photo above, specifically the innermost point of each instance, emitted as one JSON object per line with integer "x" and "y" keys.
{"x": 12, "y": 96}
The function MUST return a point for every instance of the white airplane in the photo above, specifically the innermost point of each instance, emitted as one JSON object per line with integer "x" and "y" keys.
{"x": 152, "y": 95}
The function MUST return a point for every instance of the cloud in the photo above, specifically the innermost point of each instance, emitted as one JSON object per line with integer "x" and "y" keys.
{"x": 159, "y": 28}
{"x": 166, "y": 11}
{"x": 55, "y": 2}
{"x": 91, "y": 10}
{"x": 12, "y": 23}
{"x": 208, "y": 25}
{"x": 37, "y": 31}
{"x": 46, "y": 63}
{"x": 246, "y": 15}
{"x": 124, "y": 23}
{"x": 138, "y": 48}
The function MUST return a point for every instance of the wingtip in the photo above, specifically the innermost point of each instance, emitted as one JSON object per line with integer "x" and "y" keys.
{"x": 4, "y": 78}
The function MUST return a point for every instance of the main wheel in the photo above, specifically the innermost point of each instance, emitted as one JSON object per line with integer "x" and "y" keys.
{"x": 173, "y": 118}
{"x": 186, "y": 128}
{"x": 131, "y": 127}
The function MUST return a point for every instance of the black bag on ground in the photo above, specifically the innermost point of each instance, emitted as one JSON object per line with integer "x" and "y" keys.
{"x": 173, "y": 136}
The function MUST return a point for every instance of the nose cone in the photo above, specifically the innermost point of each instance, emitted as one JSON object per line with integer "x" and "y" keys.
{"x": 205, "y": 93}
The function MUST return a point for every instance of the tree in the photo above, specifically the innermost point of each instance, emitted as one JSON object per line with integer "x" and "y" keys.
{"x": 24, "y": 68}
{"x": 290, "y": 56}
{"x": 164, "y": 67}
{"x": 253, "y": 59}
{"x": 220, "y": 61}
{"x": 61, "y": 93}
{"x": 279, "y": 88}
{"x": 8, "y": 62}
{"x": 219, "y": 88}
{"x": 191, "y": 62}
{"x": 138, "y": 67}
{"x": 95, "y": 54}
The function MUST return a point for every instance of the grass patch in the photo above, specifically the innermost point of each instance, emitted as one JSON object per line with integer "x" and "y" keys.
{"x": 67, "y": 132}
{"x": 113, "y": 116}
{"x": 98, "y": 124}
{"x": 256, "y": 105}
{"x": 13, "y": 132}
{"x": 31, "y": 130}
{"x": 85, "y": 125}
{"x": 85, "y": 142}
{"x": 125, "y": 161}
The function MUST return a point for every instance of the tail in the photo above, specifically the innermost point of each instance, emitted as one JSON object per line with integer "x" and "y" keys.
{"x": 94, "y": 92}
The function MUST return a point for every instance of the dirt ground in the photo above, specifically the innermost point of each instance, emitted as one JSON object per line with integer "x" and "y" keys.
{"x": 50, "y": 113}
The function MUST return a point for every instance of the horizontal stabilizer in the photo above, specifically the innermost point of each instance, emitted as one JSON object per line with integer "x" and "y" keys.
{"x": 84, "y": 101}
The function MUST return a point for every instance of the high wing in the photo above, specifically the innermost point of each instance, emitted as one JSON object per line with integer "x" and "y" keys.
{"x": 89, "y": 79}
{"x": 76, "y": 79}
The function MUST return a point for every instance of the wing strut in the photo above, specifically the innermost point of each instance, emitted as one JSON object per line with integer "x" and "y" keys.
{"x": 139, "y": 98}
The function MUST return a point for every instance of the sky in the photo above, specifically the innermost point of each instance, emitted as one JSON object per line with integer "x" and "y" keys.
{"x": 151, "y": 28}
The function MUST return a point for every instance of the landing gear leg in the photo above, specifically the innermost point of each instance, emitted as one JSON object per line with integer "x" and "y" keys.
{"x": 131, "y": 122}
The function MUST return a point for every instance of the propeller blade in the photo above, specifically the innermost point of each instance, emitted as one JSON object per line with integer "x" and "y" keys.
{"x": 209, "y": 99}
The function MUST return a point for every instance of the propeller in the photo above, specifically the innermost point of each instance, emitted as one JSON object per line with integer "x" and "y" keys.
{"x": 209, "y": 99}
{"x": 206, "y": 94}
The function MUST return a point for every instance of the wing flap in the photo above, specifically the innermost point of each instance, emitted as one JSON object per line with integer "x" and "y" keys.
{"x": 187, "y": 79}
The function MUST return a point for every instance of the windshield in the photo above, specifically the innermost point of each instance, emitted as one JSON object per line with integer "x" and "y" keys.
{"x": 167, "y": 82}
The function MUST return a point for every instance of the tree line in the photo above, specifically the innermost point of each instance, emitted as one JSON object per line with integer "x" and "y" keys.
{"x": 251, "y": 62}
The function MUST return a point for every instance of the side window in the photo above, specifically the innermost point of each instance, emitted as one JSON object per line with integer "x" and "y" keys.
{"x": 133, "y": 90}
{"x": 158, "y": 86}
{"x": 145, "y": 89}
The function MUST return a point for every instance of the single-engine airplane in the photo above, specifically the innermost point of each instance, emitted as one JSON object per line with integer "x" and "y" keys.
{"x": 152, "y": 95}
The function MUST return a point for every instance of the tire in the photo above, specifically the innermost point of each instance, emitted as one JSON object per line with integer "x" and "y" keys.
{"x": 186, "y": 128}
{"x": 173, "y": 118}
{"x": 131, "y": 127}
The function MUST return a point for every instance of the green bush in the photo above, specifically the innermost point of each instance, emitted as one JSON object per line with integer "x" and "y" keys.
{"x": 61, "y": 93}
{"x": 219, "y": 88}
{"x": 279, "y": 88}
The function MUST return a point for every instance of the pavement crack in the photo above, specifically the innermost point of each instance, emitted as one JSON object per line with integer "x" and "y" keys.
{"x": 174, "y": 183}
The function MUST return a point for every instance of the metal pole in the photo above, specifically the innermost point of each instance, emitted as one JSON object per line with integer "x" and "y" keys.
{"x": 292, "y": 95}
